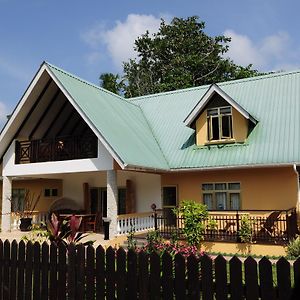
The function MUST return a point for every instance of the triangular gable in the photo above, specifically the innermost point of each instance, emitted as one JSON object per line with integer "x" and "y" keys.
{"x": 87, "y": 101}
{"x": 213, "y": 89}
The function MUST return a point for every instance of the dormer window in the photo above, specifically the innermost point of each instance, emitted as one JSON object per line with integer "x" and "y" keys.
{"x": 219, "y": 123}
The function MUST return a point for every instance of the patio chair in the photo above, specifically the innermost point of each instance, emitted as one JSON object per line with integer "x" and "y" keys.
{"x": 92, "y": 223}
{"x": 227, "y": 231}
{"x": 269, "y": 226}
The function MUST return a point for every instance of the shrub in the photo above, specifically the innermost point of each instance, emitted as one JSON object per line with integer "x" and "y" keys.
{"x": 245, "y": 232}
{"x": 193, "y": 214}
{"x": 293, "y": 248}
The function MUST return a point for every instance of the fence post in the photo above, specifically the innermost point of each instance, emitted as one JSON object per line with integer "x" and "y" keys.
{"x": 153, "y": 207}
{"x": 237, "y": 226}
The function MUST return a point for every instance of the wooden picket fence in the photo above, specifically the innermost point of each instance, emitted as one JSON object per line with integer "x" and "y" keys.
{"x": 34, "y": 271}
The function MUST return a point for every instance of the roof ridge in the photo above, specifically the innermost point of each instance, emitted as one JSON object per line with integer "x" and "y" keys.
{"x": 89, "y": 83}
{"x": 221, "y": 83}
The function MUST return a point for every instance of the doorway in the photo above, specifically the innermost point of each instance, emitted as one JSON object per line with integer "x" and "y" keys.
{"x": 169, "y": 203}
{"x": 99, "y": 201}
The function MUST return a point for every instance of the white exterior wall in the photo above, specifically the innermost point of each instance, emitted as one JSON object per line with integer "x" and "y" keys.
{"x": 103, "y": 162}
{"x": 147, "y": 186}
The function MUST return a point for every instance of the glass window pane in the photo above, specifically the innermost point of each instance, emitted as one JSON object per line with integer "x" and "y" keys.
{"x": 221, "y": 199}
{"x": 121, "y": 201}
{"x": 220, "y": 186}
{"x": 207, "y": 186}
{"x": 169, "y": 196}
{"x": 215, "y": 128}
{"x": 225, "y": 110}
{"x": 235, "y": 201}
{"x": 212, "y": 112}
{"x": 234, "y": 186}
{"x": 226, "y": 127}
{"x": 208, "y": 200}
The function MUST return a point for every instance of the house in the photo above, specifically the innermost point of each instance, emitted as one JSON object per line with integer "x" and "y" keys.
{"x": 232, "y": 145}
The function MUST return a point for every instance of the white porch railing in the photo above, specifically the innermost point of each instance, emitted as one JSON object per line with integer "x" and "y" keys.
{"x": 135, "y": 222}
{"x": 38, "y": 217}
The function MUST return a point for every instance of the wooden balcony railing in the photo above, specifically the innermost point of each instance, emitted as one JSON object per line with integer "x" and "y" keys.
{"x": 57, "y": 149}
{"x": 275, "y": 227}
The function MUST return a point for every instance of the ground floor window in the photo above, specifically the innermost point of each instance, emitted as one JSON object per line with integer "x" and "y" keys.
{"x": 17, "y": 200}
{"x": 222, "y": 196}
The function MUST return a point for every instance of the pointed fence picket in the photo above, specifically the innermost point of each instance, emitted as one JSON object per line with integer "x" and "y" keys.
{"x": 34, "y": 271}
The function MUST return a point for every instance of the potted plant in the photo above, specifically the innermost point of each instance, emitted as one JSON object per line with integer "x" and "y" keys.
{"x": 26, "y": 210}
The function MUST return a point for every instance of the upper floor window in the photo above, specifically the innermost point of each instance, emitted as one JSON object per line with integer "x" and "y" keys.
{"x": 219, "y": 123}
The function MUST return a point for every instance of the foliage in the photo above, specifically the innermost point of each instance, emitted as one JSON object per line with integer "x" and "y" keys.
{"x": 111, "y": 82}
{"x": 65, "y": 232}
{"x": 179, "y": 55}
{"x": 29, "y": 204}
{"x": 131, "y": 240}
{"x": 153, "y": 238}
{"x": 245, "y": 232}
{"x": 293, "y": 248}
{"x": 193, "y": 214}
{"x": 212, "y": 224}
{"x": 37, "y": 234}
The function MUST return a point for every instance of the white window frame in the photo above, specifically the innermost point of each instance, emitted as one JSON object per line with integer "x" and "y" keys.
{"x": 219, "y": 116}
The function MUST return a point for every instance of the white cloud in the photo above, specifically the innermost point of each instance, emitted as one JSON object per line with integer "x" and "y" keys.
{"x": 119, "y": 40}
{"x": 273, "y": 52}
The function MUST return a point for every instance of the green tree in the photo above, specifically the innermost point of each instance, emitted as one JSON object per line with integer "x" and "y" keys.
{"x": 111, "y": 82}
{"x": 179, "y": 55}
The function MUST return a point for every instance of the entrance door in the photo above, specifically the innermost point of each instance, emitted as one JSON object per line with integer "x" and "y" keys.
{"x": 169, "y": 203}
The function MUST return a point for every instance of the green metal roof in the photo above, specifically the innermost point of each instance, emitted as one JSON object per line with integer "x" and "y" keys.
{"x": 274, "y": 100}
{"x": 120, "y": 122}
{"x": 149, "y": 131}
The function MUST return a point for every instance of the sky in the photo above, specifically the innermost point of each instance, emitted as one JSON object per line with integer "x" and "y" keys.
{"x": 91, "y": 37}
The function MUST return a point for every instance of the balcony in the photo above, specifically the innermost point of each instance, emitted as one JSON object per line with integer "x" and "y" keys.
{"x": 56, "y": 149}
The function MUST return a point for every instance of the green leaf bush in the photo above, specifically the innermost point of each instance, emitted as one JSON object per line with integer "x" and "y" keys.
{"x": 194, "y": 214}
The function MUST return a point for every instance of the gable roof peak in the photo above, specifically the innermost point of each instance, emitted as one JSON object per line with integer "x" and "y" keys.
{"x": 212, "y": 90}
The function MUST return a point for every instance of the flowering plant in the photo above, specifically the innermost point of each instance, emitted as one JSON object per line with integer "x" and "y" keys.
{"x": 172, "y": 248}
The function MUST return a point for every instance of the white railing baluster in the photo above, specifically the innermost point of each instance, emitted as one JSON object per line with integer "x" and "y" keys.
{"x": 136, "y": 222}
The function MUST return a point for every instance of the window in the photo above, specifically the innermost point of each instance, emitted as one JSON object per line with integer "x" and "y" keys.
{"x": 219, "y": 123}
{"x": 221, "y": 196}
{"x": 51, "y": 192}
{"x": 17, "y": 203}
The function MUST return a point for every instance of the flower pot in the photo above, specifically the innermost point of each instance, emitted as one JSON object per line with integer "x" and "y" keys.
{"x": 25, "y": 224}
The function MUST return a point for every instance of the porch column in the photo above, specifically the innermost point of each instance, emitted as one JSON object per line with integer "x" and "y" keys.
{"x": 6, "y": 203}
{"x": 112, "y": 201}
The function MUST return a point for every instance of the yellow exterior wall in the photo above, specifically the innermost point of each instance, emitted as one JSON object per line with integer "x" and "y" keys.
{"x": 261, "y": 188}
{"x": 38, "y": 186}
{"x": 244, "y": 249}
{"x": 239, "y": 127}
